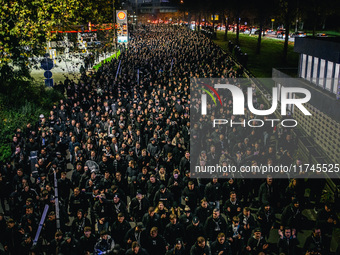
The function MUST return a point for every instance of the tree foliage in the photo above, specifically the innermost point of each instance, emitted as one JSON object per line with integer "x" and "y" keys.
{"x": 25, "y": 27}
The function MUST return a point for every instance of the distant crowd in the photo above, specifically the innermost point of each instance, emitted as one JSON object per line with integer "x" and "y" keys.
{"x": 118, "y": 150}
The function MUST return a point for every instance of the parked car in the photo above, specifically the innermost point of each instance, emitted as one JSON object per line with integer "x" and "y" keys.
{"x": 321, "y": 35}
{"x": 282, "y": 35}
{"x": 299, "y": 34}
{"x": 257, "y": 32}
{"x": 279, "y": 31}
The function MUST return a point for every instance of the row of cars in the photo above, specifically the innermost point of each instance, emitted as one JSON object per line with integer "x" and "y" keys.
{"x": 281, "y": 33}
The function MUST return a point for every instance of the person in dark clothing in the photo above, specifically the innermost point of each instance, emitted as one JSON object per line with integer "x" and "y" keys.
{"x": 315, "y": 243}
{"x": 288, "y": 242}
{"x": 235, "y": 236}
{"x": 266, "y": 219}
{"x": 155, "y": 243}
{"x": 102, "y": 213}
{"x": 119, "y": 229}
{"x": 173, "y": 231}
{"x": 135, "y": 234}
{"x": 139, "y": 206}
{"x": 50, "y": 227}
{"x": 268, "y": 192}
{"x": 257, "y": 243}
{"x": 70, "y": 245}
{"x": 186, "y": 218}
{"x": 118, "y": 206}
{"x": 200, "y": 247}
{"x": 221, "y": 246}
{"x": 76, "y": 175}
{"x": 203, "y": 211}
{"x": 247, "y": 222}
{"x": 185, "y": 162}
{"x": 64, "y": 188}
{"x": 104, "y": 245}
{"x": 26, "y": 246}
{"x": 232, "y": 206}
{"x": 165, "y": 196}
{"x": 151, "y": 219}
{"x": 327, "y": 220}
{"x": 136, "y": 249}
{"x": 212, "y": 193}
{"x": 79, "y": 224}
{"x": 78, "y": 201}
{"x": 292, "y": 216}
{"x": 214, "y": 225}
{"x": 13, "y": 237}
{"x": 87, "y": 242}
{"x": 193, "y": 231}
{"x": 190, "y": 195}
{"x": 175, "y": 185}
{"x": 55, "y": 245}
{"x": 152, "y": 186}
{"x": 179, "y": 248}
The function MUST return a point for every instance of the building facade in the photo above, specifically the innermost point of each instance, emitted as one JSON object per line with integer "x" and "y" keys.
{"x": 318, "y": 72}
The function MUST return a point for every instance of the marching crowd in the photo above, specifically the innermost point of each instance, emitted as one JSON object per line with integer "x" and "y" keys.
{"x": 118, "y": 148}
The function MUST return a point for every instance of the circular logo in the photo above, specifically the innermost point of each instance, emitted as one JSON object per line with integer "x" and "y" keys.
{"x": 121, "y": 15}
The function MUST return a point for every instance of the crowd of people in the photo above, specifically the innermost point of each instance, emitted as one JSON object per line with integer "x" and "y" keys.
{"x": 118, "y": 151}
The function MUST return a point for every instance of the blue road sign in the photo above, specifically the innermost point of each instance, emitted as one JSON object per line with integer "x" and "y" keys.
{"x": 48, "y": 74}
{"x": 47, "y": 64}
{"x": 49, "y": 82}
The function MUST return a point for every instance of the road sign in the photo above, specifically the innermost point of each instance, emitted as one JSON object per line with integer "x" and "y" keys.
{"x": 48, "y": 74}
{"x": 49, "y": 82}
{"x": 47, "y": 64}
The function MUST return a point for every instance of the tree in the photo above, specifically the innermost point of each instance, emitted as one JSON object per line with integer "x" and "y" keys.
{"x": 25, "y": 27}
{"x": 264, "y": 9}
{"x": 289, "y": 9}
